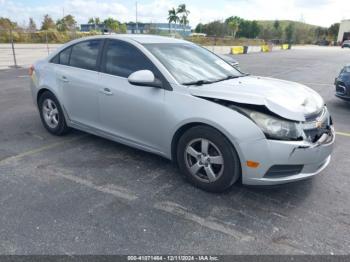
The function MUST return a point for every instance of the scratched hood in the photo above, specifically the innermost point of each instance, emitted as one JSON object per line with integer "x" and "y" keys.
{"x": 288, "y": 99}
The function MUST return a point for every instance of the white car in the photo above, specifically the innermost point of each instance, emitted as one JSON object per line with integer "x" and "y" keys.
{"x": 178, "y": 100}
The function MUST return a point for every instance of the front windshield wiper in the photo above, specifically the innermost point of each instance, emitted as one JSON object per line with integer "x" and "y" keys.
{"x": 204, "y": 82}
{"x": 230, "y": 77}
{"x": 198, "y": 83}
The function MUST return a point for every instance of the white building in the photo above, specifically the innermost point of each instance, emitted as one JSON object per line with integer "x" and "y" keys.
{"x": 344, "y": 31}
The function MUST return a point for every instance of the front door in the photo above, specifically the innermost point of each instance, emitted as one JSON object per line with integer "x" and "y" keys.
{"x": 132, "y": 113}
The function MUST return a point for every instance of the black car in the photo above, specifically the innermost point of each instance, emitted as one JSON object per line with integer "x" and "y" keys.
{"x": 342, "y": 84}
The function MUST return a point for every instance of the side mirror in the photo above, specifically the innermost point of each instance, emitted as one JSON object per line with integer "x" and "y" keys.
{"x": 144, "y": 78}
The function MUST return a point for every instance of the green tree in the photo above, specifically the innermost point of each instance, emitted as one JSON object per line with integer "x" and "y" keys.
{"x": 122, "y": 28}
{"x": 289, "y": 31}
{"x": 199, "y": 28}
{"x": 234, "y": 27}
{"x": 233, "y": 24}
{"x": 95, "y": 20}
{"x": 67, "y": 23}
{"x": 48, "y": 23}
{"x": 172, "y": 17}
{"x": 277, "y": 29}
{"x": 215, "y": 28}
{"x": 112, "y": 24}
{"x": 333, "y": 31}
{"x": 31, "y": 25}
{"x": 181, "y": 9}
{"x": 254, "y": 29}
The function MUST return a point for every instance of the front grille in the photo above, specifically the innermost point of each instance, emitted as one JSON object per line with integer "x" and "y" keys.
{"x": 315, "y": 126}
{"x": 279, "y": 171}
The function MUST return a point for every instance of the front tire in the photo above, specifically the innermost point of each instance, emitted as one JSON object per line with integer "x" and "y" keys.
{"x": 207, "y": 159}
{"x": 51, "y": 114}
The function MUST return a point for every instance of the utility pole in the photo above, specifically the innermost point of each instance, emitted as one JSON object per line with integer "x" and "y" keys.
{"x": 137, "y": 26}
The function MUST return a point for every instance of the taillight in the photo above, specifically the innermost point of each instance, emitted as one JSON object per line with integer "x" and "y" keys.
{"x": 31, "y": 70}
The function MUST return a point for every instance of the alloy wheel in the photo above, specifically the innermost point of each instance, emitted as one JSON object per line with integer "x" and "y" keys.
{"x": 204, "y": 160}
{"x": 50, "y": 113}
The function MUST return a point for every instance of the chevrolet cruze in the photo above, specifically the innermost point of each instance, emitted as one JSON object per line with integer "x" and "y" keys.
{"x": 178, "y": 100}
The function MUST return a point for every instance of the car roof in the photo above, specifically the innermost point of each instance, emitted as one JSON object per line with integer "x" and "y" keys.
{"x": 140, "y": 38}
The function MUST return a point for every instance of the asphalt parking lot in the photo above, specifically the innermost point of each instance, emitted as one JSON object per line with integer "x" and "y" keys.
{"x": 81, "y": 194}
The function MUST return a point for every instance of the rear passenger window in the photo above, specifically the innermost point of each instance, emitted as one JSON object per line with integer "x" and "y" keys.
{"x": 84, "y": 55}
{"x": 122, "y": 59}
{"x": 64, "y": 56}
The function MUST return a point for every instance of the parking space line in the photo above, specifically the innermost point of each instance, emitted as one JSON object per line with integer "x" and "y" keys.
{"x": 114, "y": 190}
{"x": 40, "y": 149}
{"x": 343, "y": 134}
{"x": 178, "y": 210}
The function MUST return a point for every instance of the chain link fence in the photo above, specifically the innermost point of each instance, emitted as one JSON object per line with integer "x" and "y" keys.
{"x": 19, "y": 48}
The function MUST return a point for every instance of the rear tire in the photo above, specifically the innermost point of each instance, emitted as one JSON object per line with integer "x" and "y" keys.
{"x": 51, "y": 114}
{"x": 207, "y": 159}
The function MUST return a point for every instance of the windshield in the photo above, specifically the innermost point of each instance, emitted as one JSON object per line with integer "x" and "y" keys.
{"x": 191, "y": 64}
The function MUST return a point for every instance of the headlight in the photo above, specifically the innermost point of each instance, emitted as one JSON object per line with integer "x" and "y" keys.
{"x": 276, "y": 128}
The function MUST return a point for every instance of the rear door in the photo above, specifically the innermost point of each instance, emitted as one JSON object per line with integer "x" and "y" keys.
{"x": 79, "y": 81}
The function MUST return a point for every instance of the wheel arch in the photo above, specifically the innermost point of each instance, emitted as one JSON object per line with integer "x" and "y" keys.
{"x": 46, "y": 89}
{"x": 182, "y": 129}
{"x": 42, "y": 91}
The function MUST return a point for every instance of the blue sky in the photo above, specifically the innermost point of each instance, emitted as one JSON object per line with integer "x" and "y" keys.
{"x": 318, "y": 12}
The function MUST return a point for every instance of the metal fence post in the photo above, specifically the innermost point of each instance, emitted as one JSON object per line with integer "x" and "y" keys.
{"x": 13, "y": 49}
{"x": 47, "y": 43}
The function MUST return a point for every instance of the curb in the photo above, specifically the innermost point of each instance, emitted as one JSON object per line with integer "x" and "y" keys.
{"x": 238, "y": 50}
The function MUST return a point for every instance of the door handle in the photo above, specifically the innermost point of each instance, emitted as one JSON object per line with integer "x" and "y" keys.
{"x": 106, "y": 91}
{"x": 64, "y": 79}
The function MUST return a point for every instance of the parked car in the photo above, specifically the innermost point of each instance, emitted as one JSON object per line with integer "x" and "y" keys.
{"x": 346, "y": 43}
{"x": 342, "y": 84}
{"x": 323, "y": 42}
{"x": 178, "y": 100}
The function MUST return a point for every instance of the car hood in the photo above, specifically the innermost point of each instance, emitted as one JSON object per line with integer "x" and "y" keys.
{"x": 288, "y": 99}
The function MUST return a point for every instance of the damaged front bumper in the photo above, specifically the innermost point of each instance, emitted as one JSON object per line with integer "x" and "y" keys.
{"x": 285, "y": 161}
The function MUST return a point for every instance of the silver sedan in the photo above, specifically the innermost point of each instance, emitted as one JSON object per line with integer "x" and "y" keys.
{"x": 178, "y": 100}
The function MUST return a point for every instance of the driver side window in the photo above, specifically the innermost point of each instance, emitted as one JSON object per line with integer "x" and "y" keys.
{"x": 122, "y": 59}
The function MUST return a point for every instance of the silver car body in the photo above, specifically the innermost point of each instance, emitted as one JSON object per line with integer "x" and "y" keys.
{"x": 149, "y": 118}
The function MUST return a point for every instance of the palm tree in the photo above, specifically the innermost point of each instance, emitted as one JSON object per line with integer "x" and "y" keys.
{"x": 184, "y": 21}
{"x": 181, "y": 9}
{"x": 172, "y": 17}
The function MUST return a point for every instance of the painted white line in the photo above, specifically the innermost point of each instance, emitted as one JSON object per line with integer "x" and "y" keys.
{"x": 210, "y": 223}
{"x": 111, "y": 189}
{"x": 343, "y": 134}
